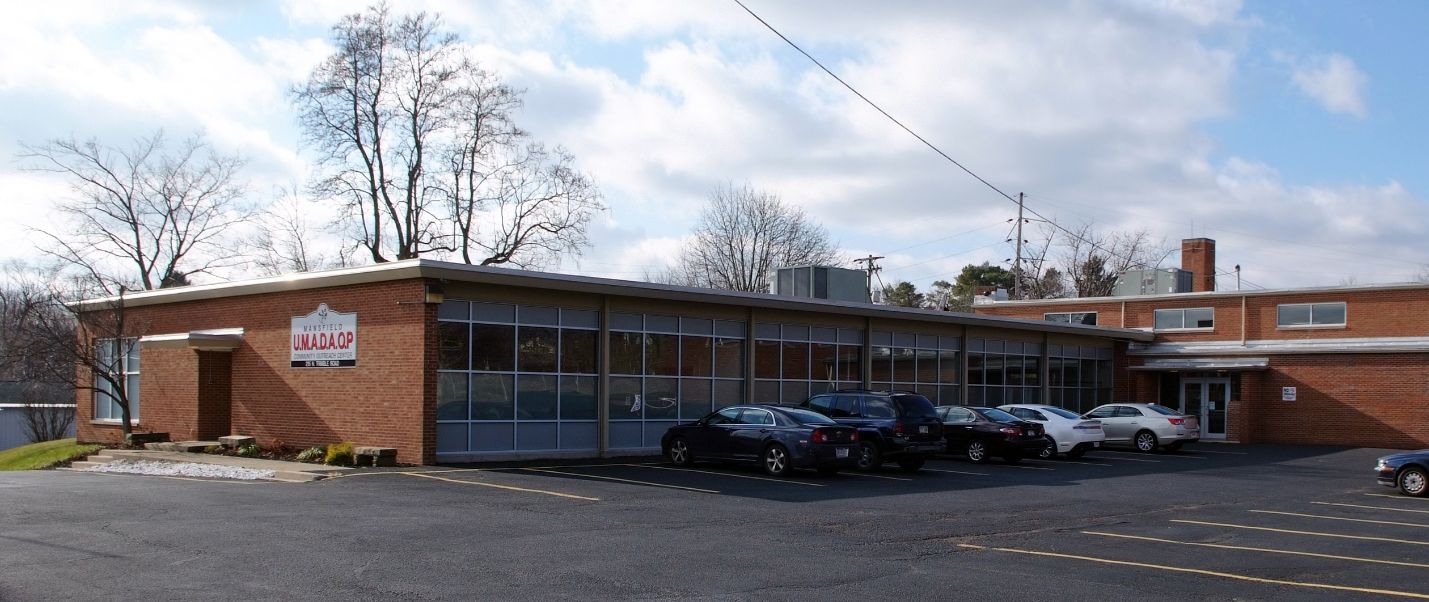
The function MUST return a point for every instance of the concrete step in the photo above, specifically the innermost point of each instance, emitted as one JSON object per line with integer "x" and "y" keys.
{"x": 182, "y": 446}
{"x": 85, "y": 465}
{"x": 100, "y": 458}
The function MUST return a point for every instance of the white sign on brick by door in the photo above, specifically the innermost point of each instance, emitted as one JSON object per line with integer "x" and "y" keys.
{"x": 324, "y": 339}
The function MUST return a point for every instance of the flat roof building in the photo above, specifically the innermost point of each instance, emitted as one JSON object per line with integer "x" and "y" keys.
{"x": 451, "y": 363}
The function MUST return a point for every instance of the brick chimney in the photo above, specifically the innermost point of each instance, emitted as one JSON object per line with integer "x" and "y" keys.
{"x": 1198, "y": 256}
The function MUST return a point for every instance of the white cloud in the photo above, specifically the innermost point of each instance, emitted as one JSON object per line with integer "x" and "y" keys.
{"x": 1333, "y": 81}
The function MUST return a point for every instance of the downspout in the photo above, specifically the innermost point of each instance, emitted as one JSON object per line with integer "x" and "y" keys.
{"x": 1242, "y": 320}
{"x": 1123, "y": 314}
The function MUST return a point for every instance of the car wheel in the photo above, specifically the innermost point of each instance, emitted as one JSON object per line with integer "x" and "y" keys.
{"x": 1049, "y": 452}
{"x": 1412, "y": 482}
{"x": 911, "y": 464}
{"x": 977, "y": 451}
{"x": 1145, "y": 441}
{"x": 869, "y": 458}
{"x": 828, "y": 470}
{"x": 776, "y": 460}
{"x": 680, "y": 452}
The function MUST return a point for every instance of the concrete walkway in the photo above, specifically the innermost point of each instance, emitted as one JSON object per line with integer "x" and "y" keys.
{"x": 282, "y": 471}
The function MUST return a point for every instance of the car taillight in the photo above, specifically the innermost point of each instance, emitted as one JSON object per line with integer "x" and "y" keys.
{"x": 853, "y": 437}
{"x": 1010, "y": 430}
{"x": 898, "y": 429}
{"x": 818, "y": 437}
{"x": 1177, "y": 421}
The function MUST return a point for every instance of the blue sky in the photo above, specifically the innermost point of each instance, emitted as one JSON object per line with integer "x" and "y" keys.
{"x": 1290, "y": 132}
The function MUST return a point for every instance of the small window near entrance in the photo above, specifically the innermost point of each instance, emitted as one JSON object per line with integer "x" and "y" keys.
{"x": 1185, "y": 319}
{"x": 1087, "y": 318}
{"x": 1307, "y": 315}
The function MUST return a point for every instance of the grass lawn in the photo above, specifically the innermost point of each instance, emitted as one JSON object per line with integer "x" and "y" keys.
{"x": 43, "y": 455}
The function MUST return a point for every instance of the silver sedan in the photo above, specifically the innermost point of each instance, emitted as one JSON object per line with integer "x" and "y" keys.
{"x": 1146, "y": 426}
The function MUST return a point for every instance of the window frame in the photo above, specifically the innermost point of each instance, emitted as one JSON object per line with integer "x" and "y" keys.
{"x": 1183, "y": 327}
{"x": 1345, "y": 311}
{"x": 1047, "y": 317}
{"x": 120, "y": 348}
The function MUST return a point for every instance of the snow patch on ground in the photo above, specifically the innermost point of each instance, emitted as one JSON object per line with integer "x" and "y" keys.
{"x": 182, "y": 469}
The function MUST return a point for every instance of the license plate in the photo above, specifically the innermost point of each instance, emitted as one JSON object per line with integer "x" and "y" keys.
{"x": 1096, "y": 444}
{"x": 923, "y": 430}
{"x": 841, "y": 452}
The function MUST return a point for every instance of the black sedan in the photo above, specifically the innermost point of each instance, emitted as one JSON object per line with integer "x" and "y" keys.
{"x": 1406, "y": 471}
{"x": 985, "y": 432}
{"x": 778, "y": 438}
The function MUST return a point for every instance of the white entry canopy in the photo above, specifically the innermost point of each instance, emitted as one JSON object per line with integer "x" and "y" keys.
{"x": 221, "y": 339}
{"x": 1205, "y": 363}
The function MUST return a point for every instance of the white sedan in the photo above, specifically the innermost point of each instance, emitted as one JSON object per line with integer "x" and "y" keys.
{"x": 1068, "y": 432}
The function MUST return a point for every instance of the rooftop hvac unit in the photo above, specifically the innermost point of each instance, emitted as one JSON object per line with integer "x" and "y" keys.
{"x": 821, "y": 282}
{"x": 1159, "y": 281}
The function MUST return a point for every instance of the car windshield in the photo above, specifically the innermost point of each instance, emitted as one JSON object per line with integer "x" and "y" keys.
{"x": 1061, "y": 412}
{"x": 1163, "y": 410}
{"x": 997, "y": 415}
{"x": 807, "y": 417}
{"x": 914, "y": 406}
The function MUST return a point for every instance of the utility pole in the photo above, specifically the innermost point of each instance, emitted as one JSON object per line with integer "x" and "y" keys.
{"x": 1017, "y": 263}
{"x": 870, "y": 268}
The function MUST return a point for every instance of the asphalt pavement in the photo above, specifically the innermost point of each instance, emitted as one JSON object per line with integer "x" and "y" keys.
{"x": 1213, "y": 522}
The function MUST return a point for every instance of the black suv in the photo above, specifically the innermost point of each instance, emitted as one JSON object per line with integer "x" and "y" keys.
{"x": 892, "y": 425}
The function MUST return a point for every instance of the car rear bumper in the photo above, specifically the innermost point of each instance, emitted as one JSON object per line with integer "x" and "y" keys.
{"x": 827, "y": 455}
{"x": 914, "y": 448}
{"x": 1024, "y": 445}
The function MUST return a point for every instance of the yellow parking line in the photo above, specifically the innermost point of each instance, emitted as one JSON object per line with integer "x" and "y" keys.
{"x": 977, "y": 474}
{"x": 1133, "y": 459}
{"x": 1177, "y": 569}
{"x": 1399, "y": 497}
{"x": 495, "y": 486}
{"x": 616, "y": 479}
{"x": 1353, "y": 520}
{"x": 1294, "y": 532}
{"x": 1252, "y": 549}
{"x": 1207, "y": 451}
{"x": 1371, "y": 507}
{"x": 1086, "y": 463}
{"x": 726, "y": 474}
{"x": 1023, "y": 467}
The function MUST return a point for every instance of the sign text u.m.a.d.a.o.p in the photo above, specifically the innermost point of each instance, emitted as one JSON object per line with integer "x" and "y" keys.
{"x": 324, "y": 339}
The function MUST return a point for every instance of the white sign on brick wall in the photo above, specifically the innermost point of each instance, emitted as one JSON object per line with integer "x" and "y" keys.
{"x": 1287, "y": 393}
{"x": 324, "y": 339}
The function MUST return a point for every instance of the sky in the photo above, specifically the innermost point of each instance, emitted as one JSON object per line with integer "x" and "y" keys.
{"x": 1289, "y": 132}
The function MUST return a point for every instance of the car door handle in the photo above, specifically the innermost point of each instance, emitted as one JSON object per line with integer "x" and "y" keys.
{"x": 763, "y": 430}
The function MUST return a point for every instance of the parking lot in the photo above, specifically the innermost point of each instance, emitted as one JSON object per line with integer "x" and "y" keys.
{"x": 1212, "y": 522}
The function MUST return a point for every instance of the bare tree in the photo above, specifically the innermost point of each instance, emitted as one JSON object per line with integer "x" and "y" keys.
{"x": 142, "y": 217}
{"x": 47, "y": 418}
{"x": 744, "y": 234}
{"x": 1093, "y": 261}
{"x": 417, "y": 142}
{"x": 287, "y": 241}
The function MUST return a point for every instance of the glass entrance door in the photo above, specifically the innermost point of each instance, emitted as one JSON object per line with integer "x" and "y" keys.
{"x": 1207, "y": 398}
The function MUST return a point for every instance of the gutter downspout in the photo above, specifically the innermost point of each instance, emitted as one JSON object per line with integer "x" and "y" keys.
{"x": 1242, "y": 320}
{"x": 1123, "y": 314}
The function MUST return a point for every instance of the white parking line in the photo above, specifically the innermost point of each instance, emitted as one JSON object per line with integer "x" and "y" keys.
{"x": 874, "y": 476}
{"x": 616, "y": 479}
{"x": 1254, "y": 549}
{"x": 976, "y": 474}
{"x": 1207, "y": 451}
{"x": 1294, "y": 532}
{"x": 724, "y": 474}
{"x": 1371, "y": 507}
{"x": 1132, "y": 460}
{"x": 1352, "y": 520}
{"x": 1023, "y": 467}
{"x": 1113, "y": 451}
{"x": 1399, "y": 497}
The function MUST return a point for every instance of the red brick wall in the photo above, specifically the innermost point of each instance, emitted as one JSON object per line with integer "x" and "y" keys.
{"x": 387, "y": 400}
{"x": 1198, "y": 256}
{"x": 1368, "y": 400}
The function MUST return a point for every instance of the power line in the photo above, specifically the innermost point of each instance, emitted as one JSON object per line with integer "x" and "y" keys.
{"x": 914, "y": 134}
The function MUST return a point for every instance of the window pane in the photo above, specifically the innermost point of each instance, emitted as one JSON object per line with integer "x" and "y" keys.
{"x": 624, "y": 392}
{"x": 1329, "y": 313}
{"x": 766, "y": 359}
{"x": 492, "y": 397}
{"x": 669, "y": 324}
{"x": 451, "y": 396}
{"x": 850, "y": 363}
{"x": 493, "y": 347}
{"x": 823, "y": 362}
{"x": 794, "y": 392}
{"x": 493, "y": 312}
{"x": 622, "y": 321}
{"x": 625, "y": 352}
{"x": 728, "y": 328}
{"x": 662, "y": 354}
{"x": 1012, "y": 369}
{"x": 454, "y": 310}
{"x": 453, "y": 343}
{"x": 1168, "y": 318}
{"x": 1071, "y": 374}
{"x": 578, "y": 351}
{"x": 729, "y": 358}
{"x": 992, "y": 369}
{"x": 131, "y": 386}
{"x": 904, "y": 367}
{"x": 535, "y": 397}
{"x": 696, "y": 356}
{"x": 545, "y": 316}
{"x": 1293, "y": 315}
{"x": 694, "y": 398}
{"x": 131, "y": 358}
{"x": 766, "y": 391}
{"x": 1200, "y": 318}
{"x": 1054, "y": 372}
{"x": 975, "y": 368}
{"x": 796, "y": 361}
{"x": 1031, "y": 370}
{"x": 578, "y": 398}
{"x": 696, "y": 326}
{"x": 536, "y": 349}
{"x": 727, "y": 393}
{"x": 662, "y": 397}
{"x": 882, "y": 364}
{"x": 948, "y": 367}
{"x": 582, "y": 318}
{"x": 927, "y": 366}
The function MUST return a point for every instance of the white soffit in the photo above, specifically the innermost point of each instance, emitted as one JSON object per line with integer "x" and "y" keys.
{"x": 224, "y": 339}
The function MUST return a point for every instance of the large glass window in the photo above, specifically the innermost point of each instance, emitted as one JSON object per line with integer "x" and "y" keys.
{"x": 794, "y": 361}
{"x": 1183, "y": 319}
{"x": 1087, "y": 318}
{"x": 120, "y": 357}
{"x": 1310, "y": 314}
{"x": 1079, "y": 378}
{"x": 518, "y": 377}
{"x": 669, "y": 369}
{"x": 925, "y": 364}
{"x": 1003, "y": 372}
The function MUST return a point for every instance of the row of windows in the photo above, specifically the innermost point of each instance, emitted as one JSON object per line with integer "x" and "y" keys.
{"x": 1286, "y": 315}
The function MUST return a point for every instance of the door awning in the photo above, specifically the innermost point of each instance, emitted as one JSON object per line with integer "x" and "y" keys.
{"x": 222, "y": 339}
{"x": 1204, "y": 363}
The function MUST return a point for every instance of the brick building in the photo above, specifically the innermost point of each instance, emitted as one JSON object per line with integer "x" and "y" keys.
{"x": 449, "y": 362}
{"x": 1339, "y": 366}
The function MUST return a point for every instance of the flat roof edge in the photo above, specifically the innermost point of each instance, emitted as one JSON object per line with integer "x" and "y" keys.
{"x": 1395, "y": 286}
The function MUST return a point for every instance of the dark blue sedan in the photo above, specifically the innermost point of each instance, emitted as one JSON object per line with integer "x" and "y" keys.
{"x": 778, "y": 438}
{"x": 1406, "y": 470}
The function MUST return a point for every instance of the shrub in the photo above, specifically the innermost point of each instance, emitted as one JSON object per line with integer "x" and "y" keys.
{"x": 339, "y": 454}
{"x": 312, "y": 455}
{"x": 213, "y": 449}
{"x": 250, "y": 451}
